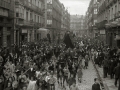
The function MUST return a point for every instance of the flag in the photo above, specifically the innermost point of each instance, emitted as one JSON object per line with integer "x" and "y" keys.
{"x": 67, "y": 41}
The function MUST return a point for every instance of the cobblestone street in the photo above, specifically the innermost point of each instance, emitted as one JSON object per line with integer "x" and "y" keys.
{"x": 87, "y": 79}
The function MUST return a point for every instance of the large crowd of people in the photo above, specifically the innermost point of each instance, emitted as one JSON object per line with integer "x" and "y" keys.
{"x": 39, "y": 66}
{"x": 109, "y": 60}
{"x": 34, "y": 66}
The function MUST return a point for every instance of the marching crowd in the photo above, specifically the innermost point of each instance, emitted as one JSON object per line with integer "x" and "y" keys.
{"x": 34, "y": 66}
{"x": 39, "y": 66}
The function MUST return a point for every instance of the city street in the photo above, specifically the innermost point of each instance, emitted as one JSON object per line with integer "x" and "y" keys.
{"x": 45, "y": 43}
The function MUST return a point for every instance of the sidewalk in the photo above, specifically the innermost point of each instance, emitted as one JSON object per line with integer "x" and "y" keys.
{"x": 108, "y": 82}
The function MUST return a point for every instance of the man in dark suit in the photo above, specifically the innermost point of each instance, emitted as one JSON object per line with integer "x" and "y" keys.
{"x": 31, "y": 73}
{"x": 105, "y": 67}
{"x": 116, "y": 71}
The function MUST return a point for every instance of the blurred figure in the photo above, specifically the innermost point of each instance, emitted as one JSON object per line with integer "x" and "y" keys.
{"x": 96, "y": 85}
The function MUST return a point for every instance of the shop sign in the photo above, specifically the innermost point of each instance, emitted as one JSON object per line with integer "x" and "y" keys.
{"x": 102, "y": 31}
{"x": 24, "y": 31}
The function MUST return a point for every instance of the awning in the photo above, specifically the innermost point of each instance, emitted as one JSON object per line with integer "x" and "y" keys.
{"x": 117, "y": 37}
{"x": 43, "y": 29}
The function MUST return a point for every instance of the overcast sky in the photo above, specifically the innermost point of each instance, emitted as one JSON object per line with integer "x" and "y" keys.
{"x": 76, "y": 6}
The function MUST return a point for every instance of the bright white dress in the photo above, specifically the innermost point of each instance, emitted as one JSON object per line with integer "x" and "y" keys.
{"x": 31, "y": 85}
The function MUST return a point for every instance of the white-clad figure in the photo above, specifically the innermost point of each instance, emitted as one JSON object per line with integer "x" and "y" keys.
{"x": 31, "y": 85}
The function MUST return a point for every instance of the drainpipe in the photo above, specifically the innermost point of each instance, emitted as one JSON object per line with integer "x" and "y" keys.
{"x": 14, "y": 24}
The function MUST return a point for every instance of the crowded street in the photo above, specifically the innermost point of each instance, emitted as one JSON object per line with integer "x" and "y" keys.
{"x": 59, "y": 44}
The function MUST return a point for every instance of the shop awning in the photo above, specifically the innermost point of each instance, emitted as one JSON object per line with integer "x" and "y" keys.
{"x": 43, "y": 29}
{"x": 117, "y": 37}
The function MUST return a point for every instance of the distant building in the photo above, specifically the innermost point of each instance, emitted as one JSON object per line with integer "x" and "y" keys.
{"x": 65, "y": 21}
{"x": 77, "y": 24}
{"x": 53, "y": 19}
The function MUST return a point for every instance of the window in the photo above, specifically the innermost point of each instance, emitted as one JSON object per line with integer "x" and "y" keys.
{"x": 17, "y": 14}
{"x": 116, "y": 9}
{"x": 49, "y": 22}
{"x": 38, "y": 19}
{"x": 49, "y": 10}
{"x": 35, "y": 2}
{"x": 35, "y": 18}
{"x": 112, "y": 14}
{"x": 95, "y": 11}
{"x": 38, "y": 3}
{"x": 26, "y": 16}
{"x": 49, "y": 1}
{"x": 95, "y": 21}
{"x": 31, "y": 18}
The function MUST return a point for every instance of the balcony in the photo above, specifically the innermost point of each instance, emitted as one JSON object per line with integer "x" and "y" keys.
{"x": 20, "y": 15}
{"x": 101, "y": 24}
{"x": 25, "y": 23}
{"x": 11, "y": 14}
{"x": 4, "y": 4}
{"x": 110, "y": 2}
{"x": 37, "y": 25}
{"x": 32, "y": 7}
{"x": 7, "y": 5}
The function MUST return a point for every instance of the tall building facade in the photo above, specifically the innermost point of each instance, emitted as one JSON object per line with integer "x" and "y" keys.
{"x": 54, "y": 14}
{"x": 65, "y": 21}
{"x": 29, "y": 18}
{"x": 109, "y": 18}
{"x": 92, "y": 18}
{"x": 57, "y": 19}
{"x": 77, "y": 24}
{"x": 6, "y": 22}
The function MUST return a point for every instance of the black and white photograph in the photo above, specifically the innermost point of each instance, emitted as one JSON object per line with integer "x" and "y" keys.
{"x": 59, "y": 44}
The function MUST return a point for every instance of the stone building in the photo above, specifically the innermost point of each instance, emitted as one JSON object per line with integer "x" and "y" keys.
{"x": 29, "y": 18}
{"x": 77, "y": 24}
{"x": 6, "y": 22}
{"x": 109, "y": 19}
